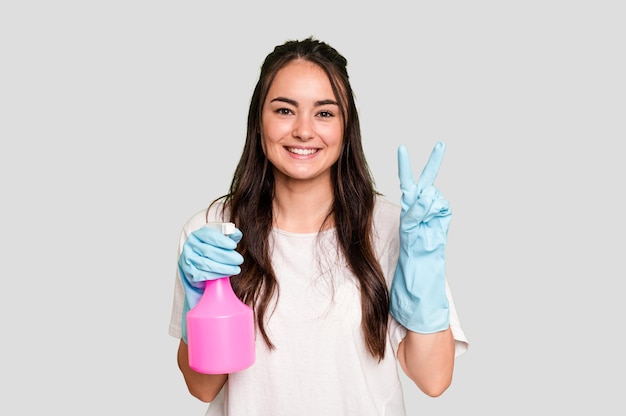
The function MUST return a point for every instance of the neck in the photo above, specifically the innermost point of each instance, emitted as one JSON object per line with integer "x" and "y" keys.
{"x": 302, "y": 207}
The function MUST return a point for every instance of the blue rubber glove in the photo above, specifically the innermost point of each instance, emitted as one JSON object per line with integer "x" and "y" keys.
{"x": 418, "y": 289}
{"x": 206, "y": 255}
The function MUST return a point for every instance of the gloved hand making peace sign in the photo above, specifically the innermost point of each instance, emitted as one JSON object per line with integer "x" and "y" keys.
{"x": 418, "y": 291}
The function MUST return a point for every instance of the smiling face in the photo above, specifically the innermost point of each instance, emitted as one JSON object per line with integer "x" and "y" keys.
{"x": 301, "y": 124}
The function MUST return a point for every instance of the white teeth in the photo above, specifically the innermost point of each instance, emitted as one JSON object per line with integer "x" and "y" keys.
{"x": 303, "y": 152}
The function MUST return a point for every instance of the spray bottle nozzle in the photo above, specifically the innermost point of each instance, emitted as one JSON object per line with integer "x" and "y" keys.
{"x": 226, "y": 228}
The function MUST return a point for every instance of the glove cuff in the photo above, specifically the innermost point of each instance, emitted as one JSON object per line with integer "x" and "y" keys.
{"x": 418, "y": 298}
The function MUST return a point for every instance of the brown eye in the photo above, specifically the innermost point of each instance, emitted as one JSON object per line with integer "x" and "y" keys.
{"x": 326, "y": 114}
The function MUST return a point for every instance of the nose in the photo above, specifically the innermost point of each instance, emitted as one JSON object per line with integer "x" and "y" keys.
{"x": 303, "y": 129}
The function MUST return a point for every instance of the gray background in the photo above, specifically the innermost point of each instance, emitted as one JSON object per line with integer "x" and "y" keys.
{"x": 120, "y": 119}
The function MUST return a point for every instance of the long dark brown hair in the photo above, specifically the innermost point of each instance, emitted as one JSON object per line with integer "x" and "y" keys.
{"x": 249, "y": 201}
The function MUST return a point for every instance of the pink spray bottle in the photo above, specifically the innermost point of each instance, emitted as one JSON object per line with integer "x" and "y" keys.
{"x": 220, "y": 328}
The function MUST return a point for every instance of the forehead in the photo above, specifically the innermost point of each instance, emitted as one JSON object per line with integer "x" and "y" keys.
{"x": 300, "y": 74}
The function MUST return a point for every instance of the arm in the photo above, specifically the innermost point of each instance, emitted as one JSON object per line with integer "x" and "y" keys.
{"x": 206, "y": 255}
{"x": 204, "y": 387}
{"x": 428, "y": 360}
{"x": 418, "y": 299}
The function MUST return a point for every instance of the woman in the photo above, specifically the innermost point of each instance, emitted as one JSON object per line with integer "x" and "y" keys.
{"x": 315, "y": 252}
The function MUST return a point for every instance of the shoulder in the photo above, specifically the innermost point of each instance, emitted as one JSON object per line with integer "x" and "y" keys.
{"x": 214, "y": 212}
{"x": 385, "y": 211}
{"x": 385, "y": 234}
{"x": 386, "y": 220}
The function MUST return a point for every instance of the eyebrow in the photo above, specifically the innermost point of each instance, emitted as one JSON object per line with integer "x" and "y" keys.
{"x": 295, "y": 103}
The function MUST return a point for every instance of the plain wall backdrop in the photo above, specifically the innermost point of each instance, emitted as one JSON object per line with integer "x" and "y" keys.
{"x": 120, "y": 119}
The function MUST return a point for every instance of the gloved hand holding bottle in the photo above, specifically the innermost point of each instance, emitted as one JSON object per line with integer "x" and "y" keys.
{"x": 418, "y": 291}
{"x": 207, "y": 254}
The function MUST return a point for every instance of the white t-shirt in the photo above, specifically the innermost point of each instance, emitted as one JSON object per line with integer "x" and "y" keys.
{"x": 320, "y": 365}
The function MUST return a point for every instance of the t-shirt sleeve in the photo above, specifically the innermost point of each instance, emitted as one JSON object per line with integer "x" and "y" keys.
{"x": 461, "y": 342}
{"x": 397, "y": 332}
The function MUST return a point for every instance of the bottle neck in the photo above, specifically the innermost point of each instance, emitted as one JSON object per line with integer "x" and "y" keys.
{"x": 219, "y": 288}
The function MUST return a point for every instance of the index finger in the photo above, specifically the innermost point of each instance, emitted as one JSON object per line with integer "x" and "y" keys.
{"x": 404, "y": 170}
{"x": 429, "y": 174}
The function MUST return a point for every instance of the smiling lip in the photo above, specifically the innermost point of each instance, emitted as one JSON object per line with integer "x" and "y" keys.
{"x": 299, "y": 151}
